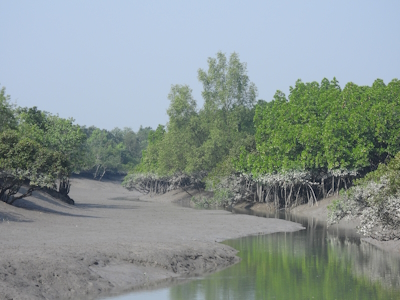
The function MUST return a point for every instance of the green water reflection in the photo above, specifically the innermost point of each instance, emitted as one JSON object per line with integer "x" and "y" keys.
{"x": 310, "y": 264}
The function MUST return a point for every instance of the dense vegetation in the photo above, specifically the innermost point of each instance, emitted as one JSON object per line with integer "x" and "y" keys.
{"x": 41, "y": 151}
{"x": 198, "y": 142}
{"x": 116, "y": 151}
{"x": 37, "y": 149}
{"x": 287, "y": 151}
{"x": 321, "y": 138}
{"x": 375, "y": 199}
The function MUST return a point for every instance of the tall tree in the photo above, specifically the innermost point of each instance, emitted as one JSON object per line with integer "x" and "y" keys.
{"x": 229, "y": 98}
{"x": 177, "y": 145}
{"x": 7, "y": 116}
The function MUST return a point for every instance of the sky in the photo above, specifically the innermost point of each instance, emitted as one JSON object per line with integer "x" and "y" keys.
{"x": 112, "y": 63}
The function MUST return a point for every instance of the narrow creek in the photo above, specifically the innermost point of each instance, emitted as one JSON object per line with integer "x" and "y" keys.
{"x": 315, "y": 263}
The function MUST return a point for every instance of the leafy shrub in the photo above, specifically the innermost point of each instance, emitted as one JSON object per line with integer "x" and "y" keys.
{"x": 375, "y": 200}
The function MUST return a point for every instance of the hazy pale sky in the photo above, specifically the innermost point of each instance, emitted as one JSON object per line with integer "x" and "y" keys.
{"x": 112, "y": 63}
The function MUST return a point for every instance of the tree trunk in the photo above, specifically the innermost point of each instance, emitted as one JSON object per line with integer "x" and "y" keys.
{"x": 284, "y": 187}
{"x": 313, "y": 194}
{"x": 267, "y": 197}
{"x": 96, "y": 172}
{"x": 64, "y": 187}
{"x": 290, "y": 194}
{"x": 297, "y": 195}
{"x": 104, "y": 172}
{"x": 255, "y": 195}
{"x": 28, "y": 193}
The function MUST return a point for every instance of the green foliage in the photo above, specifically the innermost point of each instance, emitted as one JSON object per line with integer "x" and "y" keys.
{"x": 321, "y": 127}
{"x": 22, "y": 154}
{"x": 375, "y": 199}
{"x": 25, "y": 161}
{"x": 103, "y": 152}
{"x": 7, "y": 115}
{"x": 64, "y": 136}
{"x": 134, "y": 143}
{"x": 40, "y": 144}
{"x": 200, "y": 140}
{"x": 226, "y": 84}
{"x": 177, "y": 143}
{"x": 389, "y": 172}
{"x": 53, "y": 133}
{"x": 149, "y": 162}
{"x": 115, "y": 151}
{"x": 38, "y": 149}
{"x": 220, "y": 198}
{"x": 327, "y": 134}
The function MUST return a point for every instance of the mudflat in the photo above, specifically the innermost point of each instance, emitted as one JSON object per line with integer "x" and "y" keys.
{"x": 113, "y": 241}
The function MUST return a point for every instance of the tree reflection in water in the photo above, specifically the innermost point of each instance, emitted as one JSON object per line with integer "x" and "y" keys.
{"x": 315, "y": 263}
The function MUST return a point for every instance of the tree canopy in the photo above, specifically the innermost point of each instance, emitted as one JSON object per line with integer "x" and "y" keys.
{"x": 288, "y": 150}
{"x": 41, "y": 151}
{"x": 36, "y": 149}
{"x": 196, "y": 140}
{"x": 116, "y": 151}
{"x": 321, "y": 127}
{"x": 7, "y": 115}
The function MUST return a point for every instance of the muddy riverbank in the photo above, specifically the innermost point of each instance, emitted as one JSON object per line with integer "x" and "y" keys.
{"x": 113, "y": 241}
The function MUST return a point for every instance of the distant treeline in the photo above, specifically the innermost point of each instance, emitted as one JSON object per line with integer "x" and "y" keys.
{"x": 116, "y": 152}
{"x": 286, "y": 151}
{"x": 41, "y": 151}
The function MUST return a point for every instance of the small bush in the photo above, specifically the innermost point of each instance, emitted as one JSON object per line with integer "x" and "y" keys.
{"x": 375, "y": 200}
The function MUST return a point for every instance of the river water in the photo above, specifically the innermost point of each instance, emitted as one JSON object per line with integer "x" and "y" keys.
{"x": 315, "y": 263}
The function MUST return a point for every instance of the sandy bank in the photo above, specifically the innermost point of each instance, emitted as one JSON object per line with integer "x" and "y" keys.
{"x": 112, "y": 241}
